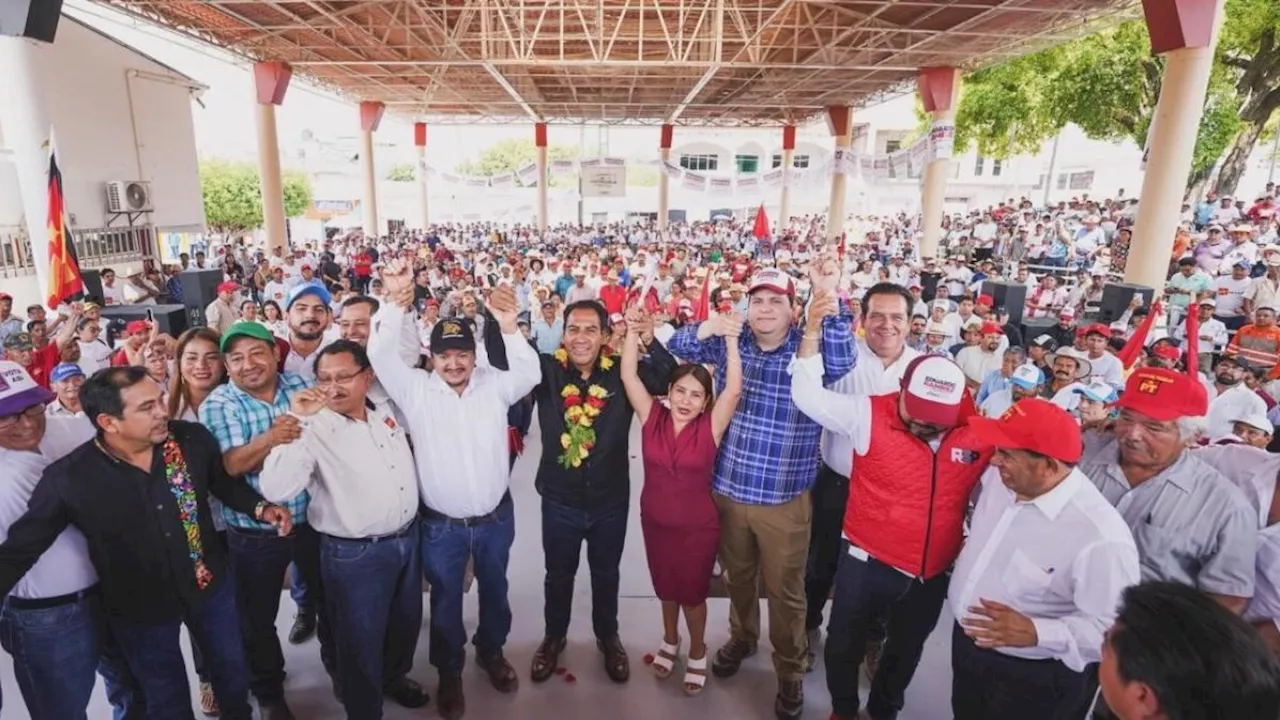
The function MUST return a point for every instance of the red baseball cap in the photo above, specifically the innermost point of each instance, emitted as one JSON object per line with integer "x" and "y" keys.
{"x": 933, "y": 389}
{"x": 1098, "y": 329}
{"x": 990, "y": 328}
{"x": 1166, "y": 351}
{"x": 5, "y": 296}
{"x": 1162, "y": 394}
{"x": 986, "y": 300}
{"x": 775, "y": 280}
{"x": 228, "y": 286}
{"x": 137, "y": 326}
{"x": 1032, "y": 424}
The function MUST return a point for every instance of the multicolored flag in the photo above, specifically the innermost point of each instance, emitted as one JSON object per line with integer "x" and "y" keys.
{"x": 65, "y": 281}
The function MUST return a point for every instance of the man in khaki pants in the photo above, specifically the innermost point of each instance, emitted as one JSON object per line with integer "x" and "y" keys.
{"x": 766, "y": 467}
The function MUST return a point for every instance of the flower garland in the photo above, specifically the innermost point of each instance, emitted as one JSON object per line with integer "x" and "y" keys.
{"x": 606, "y": 362}
{"x": 580, "y": 414}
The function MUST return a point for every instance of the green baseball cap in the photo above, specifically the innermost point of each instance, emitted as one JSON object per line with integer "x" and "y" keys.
{"x": 246, "y": 329}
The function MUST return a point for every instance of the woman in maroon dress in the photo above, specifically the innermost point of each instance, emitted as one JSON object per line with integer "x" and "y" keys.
{"x": 679, "y": 519}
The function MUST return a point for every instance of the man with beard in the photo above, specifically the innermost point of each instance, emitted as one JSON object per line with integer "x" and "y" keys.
{"x": 309, "y": 317}
{"x": 1191, "y": 525}
{"x": 249, "y": 416}
{"x": 1234, "y": 398}
{"x": 915, "y": 453}
{"x": 977, "y": 361}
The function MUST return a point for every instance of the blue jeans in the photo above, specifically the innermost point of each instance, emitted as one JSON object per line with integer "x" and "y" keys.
{"x": 373, "y": 598}
{"x": 446, "y": 545}
{"x": 155, "y": 657}
{"x": 299, "y": 591}
{"x": 259, "y": 559}
{"x": 564, "y": 529}
{"x": 56, "y": 651}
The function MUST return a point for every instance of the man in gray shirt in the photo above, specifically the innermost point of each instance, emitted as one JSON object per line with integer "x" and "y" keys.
{"x": 1191, "y": 525}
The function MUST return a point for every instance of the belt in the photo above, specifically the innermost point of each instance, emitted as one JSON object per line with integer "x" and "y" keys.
{"x": 409, "y": 527}
{"x": 18, "y": 603}
{"x": 263, "y": 532}
{"x": 437, "y": 516}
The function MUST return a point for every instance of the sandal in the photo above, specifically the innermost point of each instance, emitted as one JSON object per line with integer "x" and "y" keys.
{"x": 695, "y": 674}
{"x": 208, "y": 701}
{"x": 665, "y": 661}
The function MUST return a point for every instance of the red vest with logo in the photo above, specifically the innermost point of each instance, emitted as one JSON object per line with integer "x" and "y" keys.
{"x": 907, "y": 504}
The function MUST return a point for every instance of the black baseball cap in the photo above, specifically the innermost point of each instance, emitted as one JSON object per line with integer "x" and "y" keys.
{"x": 452, "y": 335}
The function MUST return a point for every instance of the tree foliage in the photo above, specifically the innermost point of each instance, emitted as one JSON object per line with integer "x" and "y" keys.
{"x": 508, "y": 156}
{"x": 233, "y": 196}
{"x": 1108, "y": 84}
{"x": 642, "y": 175}
{"x": 401, "y": 172}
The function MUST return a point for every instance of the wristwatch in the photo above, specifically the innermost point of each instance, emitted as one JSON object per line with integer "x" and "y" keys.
{"x": 260, "y": 508}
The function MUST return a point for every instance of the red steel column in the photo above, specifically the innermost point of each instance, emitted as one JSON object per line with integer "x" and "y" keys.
{"x": 664, "y": 182}
{"x": 271, "y": 81}
{"x": 420, "y": 142}
{"x": 370, "y": 119}
{"x": 540, "y": 140}
{"x": 939, "y": 90}
{"x": 840, "y": 123}
{"x": 788, "y": 157}
{"x": 1185, "y": 33}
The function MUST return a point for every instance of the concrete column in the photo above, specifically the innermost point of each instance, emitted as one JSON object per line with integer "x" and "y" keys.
{"x": 664, "y": 182}
{"x": 788, "y": 156}
{"x": 420, "y": 142}
{"x": 271, "y": 80}
{"x": 24, "y": 120}
{"x": 370, "y": 118}
{"x": 540, "y": 141}
{"x": 940, "y": 93}
{"x": 1185, "y": 33}
{"x": 840, "y": 123}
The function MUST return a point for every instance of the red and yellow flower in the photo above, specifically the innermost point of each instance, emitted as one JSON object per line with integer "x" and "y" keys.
{"x": 579, "y": 436}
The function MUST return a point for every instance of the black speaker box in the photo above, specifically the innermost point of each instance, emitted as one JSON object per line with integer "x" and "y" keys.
{"x": 1010, "y": 296}
{"x": 1116, "y": 297}
{"x": 199, "y": 288}
{"x": 35, "y": 19}
{"x": 92, "y": 285}
{"x": 172, "y": 319}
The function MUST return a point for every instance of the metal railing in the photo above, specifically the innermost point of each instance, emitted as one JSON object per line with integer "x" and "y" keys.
{"x": 95, "y": 247}
{"x": 15, "y": 252}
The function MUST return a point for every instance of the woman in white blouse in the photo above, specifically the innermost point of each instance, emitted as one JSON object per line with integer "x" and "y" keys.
{"x": 273, "y": 318}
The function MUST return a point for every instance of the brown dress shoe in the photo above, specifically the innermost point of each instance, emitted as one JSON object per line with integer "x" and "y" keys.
{"x": 450, "y": 699}
{"x": 616, "y": 663}
{"x": 545, "y": 659}
{"x": 501, "y": 675}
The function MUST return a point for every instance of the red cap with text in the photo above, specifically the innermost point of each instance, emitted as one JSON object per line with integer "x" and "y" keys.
{"x": 1162, "y": 394}
{"x": 775, "y": 280}
{"x": 1035, "y": 425}
{"x": 933, "y": 390}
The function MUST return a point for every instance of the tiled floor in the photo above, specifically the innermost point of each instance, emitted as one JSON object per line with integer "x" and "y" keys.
{"x": 747, "y": 696}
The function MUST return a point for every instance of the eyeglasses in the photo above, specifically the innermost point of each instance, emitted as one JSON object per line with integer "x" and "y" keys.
{"x": 32, "y": 414}
{"x": 343, "y": 380}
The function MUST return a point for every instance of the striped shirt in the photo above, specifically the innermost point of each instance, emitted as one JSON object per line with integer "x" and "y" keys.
{"x": 769, "y": 455}
{"x": 235, "y": 417}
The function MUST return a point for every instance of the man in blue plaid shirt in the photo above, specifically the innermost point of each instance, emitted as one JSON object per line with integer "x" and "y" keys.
{"x": 249, "y": 416}
{"x": 767, "y": 463}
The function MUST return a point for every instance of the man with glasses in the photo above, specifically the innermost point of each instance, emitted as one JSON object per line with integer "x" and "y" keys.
{"x": 250, "y": 416}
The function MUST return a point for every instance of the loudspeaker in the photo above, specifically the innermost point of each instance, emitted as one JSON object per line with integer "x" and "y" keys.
{"x": 172, "y": 319}
{"x": 35, "y": 19}
{"x": 1010, "y": 296}
{"x": 929, "y": 285}
{"x": 92, "y": 285}
{"x": 199, "y": 288}
{"x": 1116, "y": 297}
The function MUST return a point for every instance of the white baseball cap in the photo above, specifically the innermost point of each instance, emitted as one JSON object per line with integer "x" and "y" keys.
{"x": 18, "y": 391}
{"x": 1027, "y": 376}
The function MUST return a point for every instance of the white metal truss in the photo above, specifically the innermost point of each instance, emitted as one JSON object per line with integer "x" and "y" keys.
{"x": 718, "y": 62}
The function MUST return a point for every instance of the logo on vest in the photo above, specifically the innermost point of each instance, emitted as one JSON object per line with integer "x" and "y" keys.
{"x": 964, "y": 457}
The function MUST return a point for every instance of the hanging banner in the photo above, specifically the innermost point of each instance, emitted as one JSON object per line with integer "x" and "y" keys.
{"x": 694, "y": 181}
{"x": 918, "y": 156}
{"x": 844, "y": 162}
{"x": 867, "y": 168}
{"x": 528, "y": 174}
{"x": 942, "y": 139}
{"x": 561, "y": 167}
{"x": 880, "y": 167}
{"x": 672, "y": 170}
{"x": 477, "y": 182}
{"x": 614, "y": 162}
{"x": 748, "y": 184}
{"x": 772, "y": 179}
{"x": 450, "y": 178}
{"x": 601, "y": 181}
{"x": 504, "y": 181}
{"x": 899, "y": 164}
{"x": 720, "y": 186}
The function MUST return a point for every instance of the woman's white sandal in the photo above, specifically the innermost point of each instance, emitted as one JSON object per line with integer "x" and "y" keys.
{"x": 665, "y": 661}
{"x": 695, "y": 675}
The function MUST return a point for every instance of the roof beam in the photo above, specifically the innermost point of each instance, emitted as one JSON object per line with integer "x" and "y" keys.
{"x": 499, "y": 78}
{"x": 717, "y": 53}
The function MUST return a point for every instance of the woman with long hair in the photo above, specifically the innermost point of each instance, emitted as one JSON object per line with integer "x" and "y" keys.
{"x": 273, "y": 318}
{"x": 679, "y": 518}
{"x": 199, "y": 370}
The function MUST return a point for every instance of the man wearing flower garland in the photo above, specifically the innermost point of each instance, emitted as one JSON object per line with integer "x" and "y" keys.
{"x": 767, "y": 464}
{"x": 584, "y": 476}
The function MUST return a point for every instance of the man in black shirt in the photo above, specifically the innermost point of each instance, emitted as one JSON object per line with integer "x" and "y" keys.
{"x": 587, "y": 499}
{"x": 139, "y": 492}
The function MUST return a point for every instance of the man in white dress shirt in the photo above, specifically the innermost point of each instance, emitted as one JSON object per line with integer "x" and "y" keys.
{"x": 886, "y": 312}
{"x": 354, "y": 460}
{"x": 459, "y": 414}
{"x": 51, "y": 620}
{"x": 1039, "y": 579}
{"x": 1234, "y": 398}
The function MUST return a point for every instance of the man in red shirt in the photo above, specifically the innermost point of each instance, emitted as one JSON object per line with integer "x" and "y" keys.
{"x": 612, "y": 295}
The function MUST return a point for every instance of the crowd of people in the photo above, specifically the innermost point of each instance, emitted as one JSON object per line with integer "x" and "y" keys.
{"x": 864, "y": 433}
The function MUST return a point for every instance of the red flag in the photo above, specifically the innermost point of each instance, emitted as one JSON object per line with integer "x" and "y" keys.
{"x": 65, "y": 282}
{"x": 1193, "y": 342}
{"x": 761, "y": 229}
{"x": 702, "y": 310}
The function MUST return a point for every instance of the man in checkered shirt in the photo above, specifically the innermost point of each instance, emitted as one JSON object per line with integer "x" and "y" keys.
{"x": 249, "y": 416}
{"x": 765, "y": 469}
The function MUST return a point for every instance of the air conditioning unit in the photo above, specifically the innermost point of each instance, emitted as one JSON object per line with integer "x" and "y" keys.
{"x": 128, "y": 196}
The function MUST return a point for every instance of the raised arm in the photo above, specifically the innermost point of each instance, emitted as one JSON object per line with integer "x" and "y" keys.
{"x": 637, "y": 394}
{"x": 698, "y": 343}
{"x": 845, "y": 414}
{"x": 727, "y": 404}
{"x": 400, "y": 379}
{"x": 524, "y": 372}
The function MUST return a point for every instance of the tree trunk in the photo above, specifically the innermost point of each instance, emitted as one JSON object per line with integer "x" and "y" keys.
{"x": 1234, "y": 166}
{"x": 1196, "y": 183}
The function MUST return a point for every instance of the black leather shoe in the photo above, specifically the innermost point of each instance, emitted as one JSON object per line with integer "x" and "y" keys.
{"x": 304, "y": 626}
{"x": 278, "y": 710}
{"x": 406, "y": 693}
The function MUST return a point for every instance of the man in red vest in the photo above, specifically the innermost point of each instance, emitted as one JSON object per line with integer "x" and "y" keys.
{"x": 917, "y": 464}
